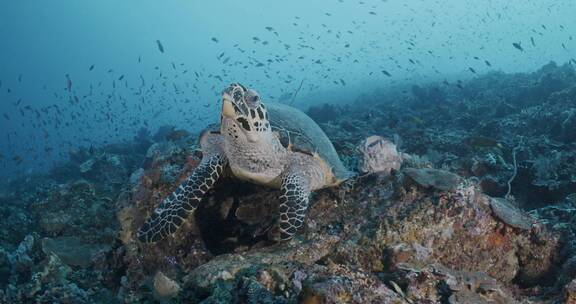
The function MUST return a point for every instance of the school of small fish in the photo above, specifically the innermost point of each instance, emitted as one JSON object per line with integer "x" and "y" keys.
{"x": 175, "y": 86}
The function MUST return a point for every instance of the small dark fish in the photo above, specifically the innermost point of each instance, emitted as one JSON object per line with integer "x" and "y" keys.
{"x": 472, "y": 70}
{"x": 91, "y": 68}
{"x": 20, "y": 78}
{"x": 564, "y": 46}
{"x": 160, "y": 46}
{"x": 215, "y": 39}
{"x": 17, "y": 159}
{"x": 121, "y": 77}
{"x": 487, "y": 63}
{"x": 386, "y": 73}
{"x": 68, "y": 83}
{"x": 532, "y": 41}
{"x": 372, "y": 13}
{"x": 518, "y": 46}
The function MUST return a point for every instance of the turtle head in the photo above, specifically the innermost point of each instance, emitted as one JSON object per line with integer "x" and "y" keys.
{"x": 243, "y": 114}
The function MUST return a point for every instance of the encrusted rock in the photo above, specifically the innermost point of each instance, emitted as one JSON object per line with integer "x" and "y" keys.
{"x": 164, "y": 287}
{"x": 509, "y": 214}
{"x": 436, "y": 283}
{"x": 438, "y": 179}
{"x": 87, "y": 165}
{"x": 71, "y": 250}
{"x": 350, "y": 287}
{"x": 570, "y": 292}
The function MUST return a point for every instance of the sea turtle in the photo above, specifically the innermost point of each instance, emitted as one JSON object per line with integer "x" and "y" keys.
{"x": 273, "y": 145}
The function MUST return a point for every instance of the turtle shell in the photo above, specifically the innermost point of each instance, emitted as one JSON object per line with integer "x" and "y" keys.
{"x": 298, "y": 129}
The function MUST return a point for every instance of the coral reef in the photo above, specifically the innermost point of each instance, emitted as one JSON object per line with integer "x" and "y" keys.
{"x": 432, "y": 226}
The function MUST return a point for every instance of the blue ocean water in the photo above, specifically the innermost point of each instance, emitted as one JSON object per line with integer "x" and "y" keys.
{"x": 78, "y": 74}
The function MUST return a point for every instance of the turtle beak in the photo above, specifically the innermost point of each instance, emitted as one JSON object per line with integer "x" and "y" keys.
{"x": 227, "y": 107}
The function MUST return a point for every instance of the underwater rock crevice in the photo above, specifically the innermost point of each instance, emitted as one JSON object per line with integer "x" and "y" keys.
{"x": 231, "y": 217}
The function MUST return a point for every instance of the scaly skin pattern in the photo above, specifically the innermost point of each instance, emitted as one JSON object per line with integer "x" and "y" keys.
{"x": 174, "y": 209}
{"x": 261, "y": 162}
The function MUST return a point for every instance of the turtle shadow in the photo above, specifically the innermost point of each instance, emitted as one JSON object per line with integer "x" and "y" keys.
{"x": 235, "y": 216}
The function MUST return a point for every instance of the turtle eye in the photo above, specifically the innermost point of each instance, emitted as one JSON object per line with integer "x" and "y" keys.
{"x": 252, "y": 97}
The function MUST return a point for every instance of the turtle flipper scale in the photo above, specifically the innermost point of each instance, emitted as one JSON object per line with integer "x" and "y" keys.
{"x": 293, "y": 204}
{"x": 174, "y": 209}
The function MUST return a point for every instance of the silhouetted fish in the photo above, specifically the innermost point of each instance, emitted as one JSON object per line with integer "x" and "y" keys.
{"x": 518, "y": 46}
{"x": 68, "y": 83}
{"x": 160, "y": 46}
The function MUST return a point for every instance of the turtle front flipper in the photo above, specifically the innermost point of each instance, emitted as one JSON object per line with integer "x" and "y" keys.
{"x": 174, "y": 209}
{"x": 293, "y": 204}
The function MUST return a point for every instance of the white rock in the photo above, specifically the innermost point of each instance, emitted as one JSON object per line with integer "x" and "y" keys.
{"x": 378, "y": 154}
{"x": 165, "y": 287}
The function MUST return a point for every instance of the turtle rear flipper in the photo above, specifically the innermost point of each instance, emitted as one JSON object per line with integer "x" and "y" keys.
{"x": 174, "y": 209}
